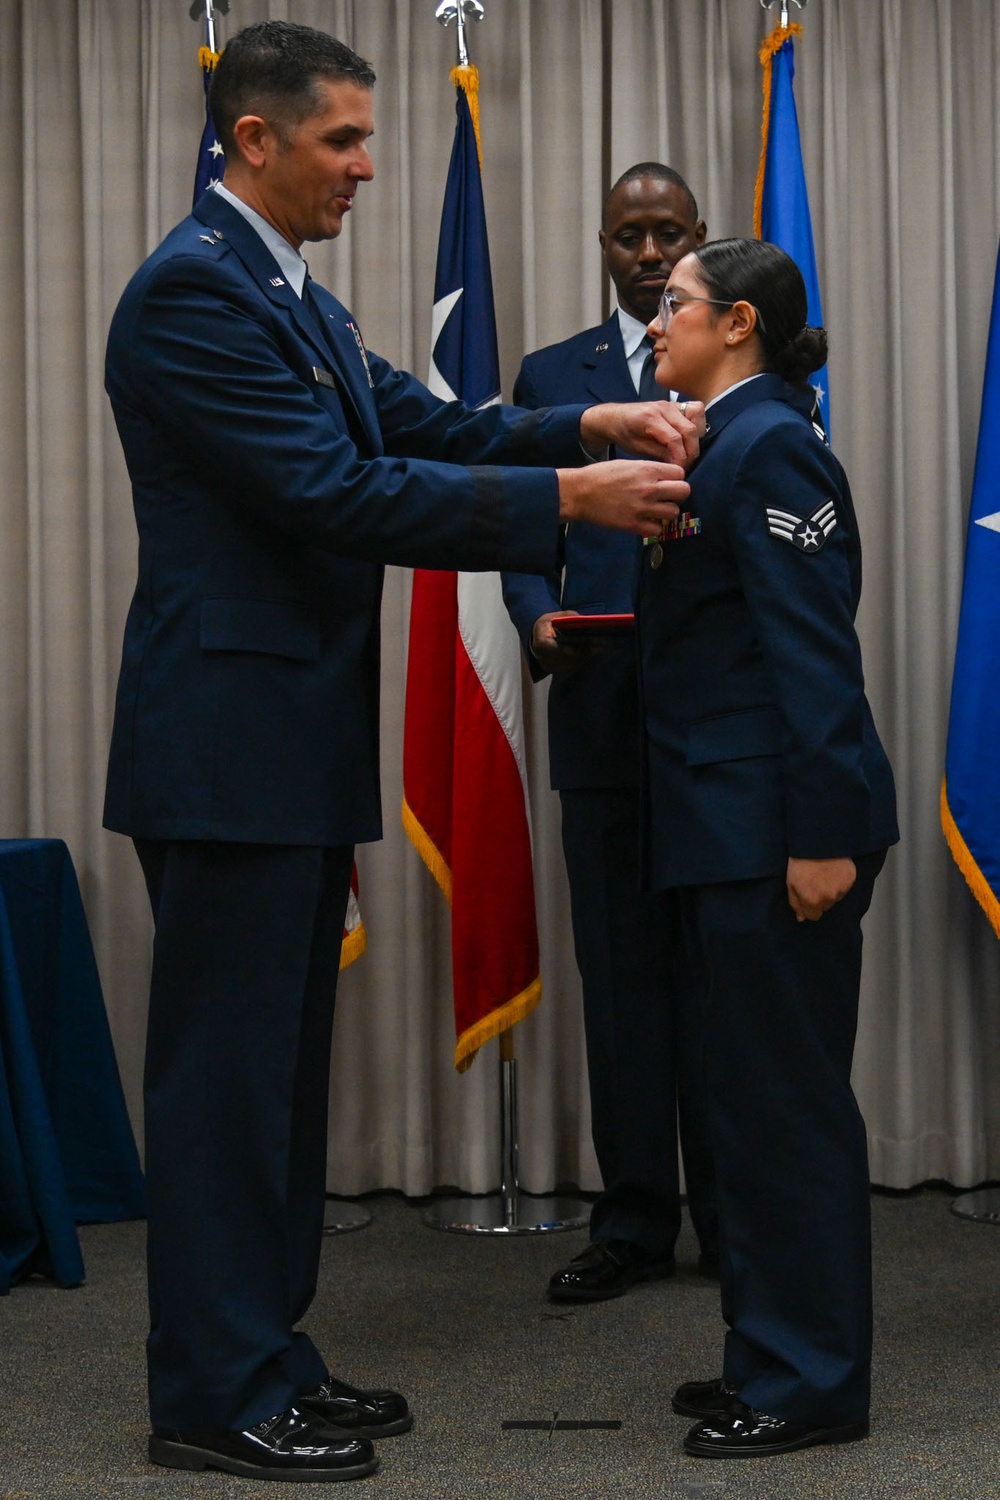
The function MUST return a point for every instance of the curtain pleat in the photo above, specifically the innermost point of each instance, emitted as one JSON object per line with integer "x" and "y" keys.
{"x": 101, "y": 106}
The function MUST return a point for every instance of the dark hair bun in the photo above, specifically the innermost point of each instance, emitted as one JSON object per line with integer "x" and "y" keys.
{"x": 802, "y": 355}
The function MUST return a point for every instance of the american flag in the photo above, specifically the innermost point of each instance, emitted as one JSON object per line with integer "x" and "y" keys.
{"x": 211, "y": 161}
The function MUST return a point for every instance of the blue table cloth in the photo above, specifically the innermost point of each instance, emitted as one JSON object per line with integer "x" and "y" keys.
{"x": 67, "y": 1152}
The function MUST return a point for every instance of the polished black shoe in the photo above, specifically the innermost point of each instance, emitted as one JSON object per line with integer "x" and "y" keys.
{"x": 703, "y": 1398}
{"x": 607, "y": 1268}
{"x": 296, "y": 1445}
{"x": 370, "y": 1414}
{"x": 742, "y": 1432}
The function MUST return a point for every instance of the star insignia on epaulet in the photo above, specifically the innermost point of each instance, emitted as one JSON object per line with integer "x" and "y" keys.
{"x": 809, "y": 534}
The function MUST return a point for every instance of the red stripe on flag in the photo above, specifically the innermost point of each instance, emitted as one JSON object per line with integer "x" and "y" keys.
{"x": 429, "y": 721}
{"x": 464, "y": 808}
{"x": 494, "y": 937}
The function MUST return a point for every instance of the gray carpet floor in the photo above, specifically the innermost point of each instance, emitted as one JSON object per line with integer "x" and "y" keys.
{"x": 460, "y": 1324}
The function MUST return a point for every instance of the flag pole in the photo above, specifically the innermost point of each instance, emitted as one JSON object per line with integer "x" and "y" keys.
{"x": 511, "y": 1212}
{"x": 208, "y": 8}
{"x": 770, "y": 4}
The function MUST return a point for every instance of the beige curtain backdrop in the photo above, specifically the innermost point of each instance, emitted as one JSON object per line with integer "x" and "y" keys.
{"x": 100, "y": 102}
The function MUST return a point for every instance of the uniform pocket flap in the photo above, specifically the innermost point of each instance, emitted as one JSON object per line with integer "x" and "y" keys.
{"x": 278, "y": 627}
{"x": 739, "y": 736}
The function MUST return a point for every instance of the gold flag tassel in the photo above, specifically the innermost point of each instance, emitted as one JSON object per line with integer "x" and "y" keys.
{"x": 772, "y": 43}
{"x": 207, "y": 59}
{"x": 467, "y": 78}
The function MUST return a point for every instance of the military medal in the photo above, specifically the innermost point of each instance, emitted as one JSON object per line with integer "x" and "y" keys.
{"x": 682, "y": 526}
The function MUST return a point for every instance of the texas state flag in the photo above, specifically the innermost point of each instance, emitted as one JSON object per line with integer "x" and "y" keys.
{"x": 465, "y": 802}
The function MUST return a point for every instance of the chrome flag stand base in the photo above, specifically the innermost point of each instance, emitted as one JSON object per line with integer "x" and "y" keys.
{"x": 519, "y": 1214}
{"x": 983, "y": 1205}
{"x": 343, "y": 1217}
{"x": 510, "y": 1211}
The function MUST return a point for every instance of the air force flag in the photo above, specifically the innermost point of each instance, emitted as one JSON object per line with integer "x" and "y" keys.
{"x": 970, "y": 796}
{"x": 781, "y": 207}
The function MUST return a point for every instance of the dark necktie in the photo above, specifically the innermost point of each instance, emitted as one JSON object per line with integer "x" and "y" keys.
{"x": 648, "y": 388}
{"x": 313, "y": 307}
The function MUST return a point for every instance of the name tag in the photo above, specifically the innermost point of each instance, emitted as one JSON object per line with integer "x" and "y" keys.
{"x": 323, "y": 377}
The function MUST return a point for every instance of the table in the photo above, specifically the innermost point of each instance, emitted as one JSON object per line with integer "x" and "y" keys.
{"x": 67, "y": 1152}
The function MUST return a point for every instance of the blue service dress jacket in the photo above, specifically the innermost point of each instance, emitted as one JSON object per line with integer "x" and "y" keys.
{"x": 643, "y": 1051}
{"x": 760, "y": 743}
{"x": 275, "y": 466}
{"x": 593, "y": 711}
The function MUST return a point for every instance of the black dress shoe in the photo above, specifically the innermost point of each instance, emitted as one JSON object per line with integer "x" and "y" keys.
{"x": 742, "y": 1432}
{"x": 607, "y": 1268}
{"x": 371, "y": 1414}
{"x": 296, "y": 1445}
{"x": 703, "y": 1398}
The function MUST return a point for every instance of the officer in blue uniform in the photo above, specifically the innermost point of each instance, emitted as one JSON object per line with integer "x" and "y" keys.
{"x": 769, "y": 809}
{"x": 275, "y": 466}
{"x": 643, "y": 1049}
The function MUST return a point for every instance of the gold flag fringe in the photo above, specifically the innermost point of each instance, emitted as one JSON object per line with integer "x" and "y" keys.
{"x": 511, "y": 1011}
{"x": 468, "y": 79}
{"x": 427, "y": 849}
{"x": 207, "y": 59}
{"x": 772, "y": 43}
{"x": 502, "y": 1019}
{"x": 354, "y": 944}
{"x": 962, "y": 855}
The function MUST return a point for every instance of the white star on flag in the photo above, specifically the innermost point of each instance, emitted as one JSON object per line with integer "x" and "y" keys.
{"x": 439, "y": 316}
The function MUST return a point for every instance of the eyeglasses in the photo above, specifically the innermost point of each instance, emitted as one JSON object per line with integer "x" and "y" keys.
{"x": 671, "y": 303}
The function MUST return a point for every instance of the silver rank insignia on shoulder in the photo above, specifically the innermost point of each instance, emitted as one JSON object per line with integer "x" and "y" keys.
{"x": 810, "y": 534}
{"x": 206, "y": 239}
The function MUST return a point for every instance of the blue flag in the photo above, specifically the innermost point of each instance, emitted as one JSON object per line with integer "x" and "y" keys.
{"x": 211, "y": 162}
{"x": 784, "y": 215}
{"x": 970, "y": 797}
{"x": 465, "y": 362}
